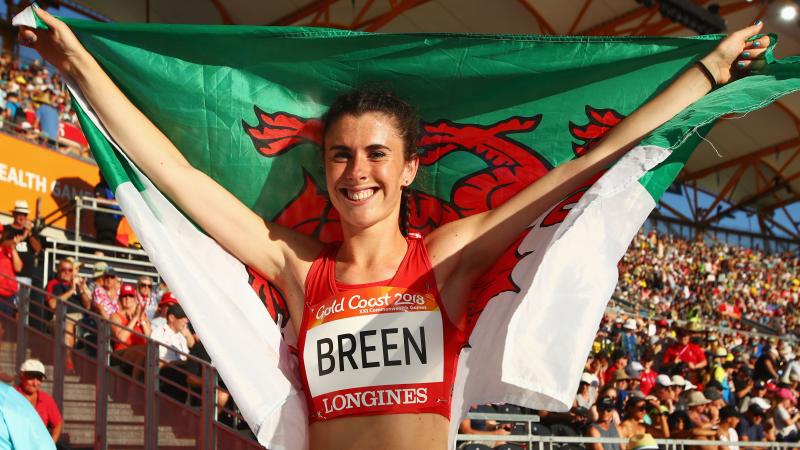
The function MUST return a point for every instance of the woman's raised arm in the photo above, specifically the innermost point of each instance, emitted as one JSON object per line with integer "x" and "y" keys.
{"x": 464, "y": 249}
{"x": 272, "y": 249}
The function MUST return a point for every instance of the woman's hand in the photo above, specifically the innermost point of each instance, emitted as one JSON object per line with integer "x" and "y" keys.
{"x": 734, "y": 56}
{"x": 58, "y": 45}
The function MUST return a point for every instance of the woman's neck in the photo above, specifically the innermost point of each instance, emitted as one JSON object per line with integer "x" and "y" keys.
{"x": 371, "y": 254}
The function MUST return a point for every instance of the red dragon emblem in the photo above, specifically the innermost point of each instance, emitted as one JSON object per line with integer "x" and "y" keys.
{"x": 510, "y": 167}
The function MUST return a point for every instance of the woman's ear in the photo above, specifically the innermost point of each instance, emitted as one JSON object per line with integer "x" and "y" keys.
{"x": 410, "y": 171}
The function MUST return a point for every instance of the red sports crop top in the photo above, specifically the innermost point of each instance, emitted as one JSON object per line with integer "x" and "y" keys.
{"x": 377, "y": 348}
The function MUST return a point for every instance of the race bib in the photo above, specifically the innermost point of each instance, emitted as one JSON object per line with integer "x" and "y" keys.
{"x": 373, "y": 347}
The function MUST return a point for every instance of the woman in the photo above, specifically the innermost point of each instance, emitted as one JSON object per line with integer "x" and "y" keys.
{"x": 369, "y": 160}
{"x": 129, "y": 346}
{"x": 131, "y": 317}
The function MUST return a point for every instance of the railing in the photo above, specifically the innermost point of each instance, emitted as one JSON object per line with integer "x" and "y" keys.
{"x": 127, "y": 380}
{"x": 535, "y": 442}
{"x": 129, "y": 263}
{"x": 93, "y": 204}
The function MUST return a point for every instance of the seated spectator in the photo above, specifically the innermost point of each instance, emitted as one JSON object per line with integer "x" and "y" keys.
{"x": 483, "y": 427}
{"x": 728, "y": 421}
{"x": 750, "y": 424}
{"x": 604, "y": 426}
{"x": 31, "y": 374}
{"x": 584, "y": 398}
{"x": 665, "y": 394}
{"x": 130, "y": 316}
{"x": 637, "y": 417}
{"x": 10, "y": 265}
{"x": 619, "y": 361}
{"x": 130, "y": 347}
{"x": 70, "y": 288}
{"x": 175, "y": 339}
{"x": 106, "y": 292}
{"x": 174, "y": 335}
{"x": 685, "y": 352}
{"x": 766, "y": 367}
{"x": 146, "y": 296}
{"x": 160, "y": 318}
{"x": 786, "y": 416}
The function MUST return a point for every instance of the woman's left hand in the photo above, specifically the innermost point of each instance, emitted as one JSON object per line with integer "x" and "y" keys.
{"x": 735, "y": 55}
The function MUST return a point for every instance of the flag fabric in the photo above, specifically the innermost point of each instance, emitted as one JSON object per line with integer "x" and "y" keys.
{"x": 243, "y": 105}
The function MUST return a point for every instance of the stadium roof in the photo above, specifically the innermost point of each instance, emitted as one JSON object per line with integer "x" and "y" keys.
{"x": 754, "y": 163}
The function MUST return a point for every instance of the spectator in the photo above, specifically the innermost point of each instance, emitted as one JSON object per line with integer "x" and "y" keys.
{"x": 685, "y": 352}
{"x": 105, "y": 224}
{"x": 146, "y": 297}
{"x": 10, "y": 265}
{"x": 786, "y": 416}
{"x": 106, "y": 292}
{"x": 619, "y": 361}
{"x": 766, "y": 367}
{"x": 750, "y": 424}
{"x": 174, "y": 336}
{"x": 629, "y": 343}
{"x": 758, "y": 390}
{"x": 70, "y": 288}
{"x": 647, "y": 377}
{"x": 604, "y": 426}
{"x": 160, "y": 318}
{"x": 728, "y": 421}
{"x": 482, "y": 427}
{"x": 28, "y": 247}
{"x": 636, "y": 420}
{"x": 175, "y": 339}
{"x": 131, "y": 317}
{"x": 31, "y": 374}
{"x": 47, "y": 117}
{"x": 584, "y": 398}
{"x": 664, "y": 393}
{"x": 130, "y": 346}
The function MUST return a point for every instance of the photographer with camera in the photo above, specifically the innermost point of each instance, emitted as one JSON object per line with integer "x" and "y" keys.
{"x": 28, "y": 246}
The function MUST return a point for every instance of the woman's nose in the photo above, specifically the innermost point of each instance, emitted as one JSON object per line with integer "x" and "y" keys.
{"x": 358, "y": 168}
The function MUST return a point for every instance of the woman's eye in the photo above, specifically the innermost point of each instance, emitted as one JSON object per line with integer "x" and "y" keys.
{"x": 377, "y": 154}
{"x": 341, "y": 156}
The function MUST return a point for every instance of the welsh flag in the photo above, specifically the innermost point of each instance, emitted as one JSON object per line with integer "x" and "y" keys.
{"x": 243, "y": 105}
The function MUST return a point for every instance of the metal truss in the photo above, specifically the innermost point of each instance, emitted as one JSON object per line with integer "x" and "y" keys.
{"x": 318, "y": 14}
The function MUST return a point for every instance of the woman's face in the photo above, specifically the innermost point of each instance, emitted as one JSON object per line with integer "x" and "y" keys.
{"x": 128, "y": 302}
{"x": 366, "y": 169}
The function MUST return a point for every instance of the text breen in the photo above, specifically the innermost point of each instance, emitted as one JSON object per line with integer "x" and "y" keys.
{"x": 356, "y": 349}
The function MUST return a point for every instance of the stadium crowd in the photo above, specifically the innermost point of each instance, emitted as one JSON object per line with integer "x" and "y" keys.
{"x": 681, "y": 364}
{"x": 33, "y": 102}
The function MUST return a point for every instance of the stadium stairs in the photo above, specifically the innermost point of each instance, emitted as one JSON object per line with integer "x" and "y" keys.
{"x": 125, "y": 429}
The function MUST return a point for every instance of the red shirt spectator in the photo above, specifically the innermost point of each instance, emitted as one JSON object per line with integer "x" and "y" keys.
{"x": 686, "y": 352}
{"x": 31, "y": 374}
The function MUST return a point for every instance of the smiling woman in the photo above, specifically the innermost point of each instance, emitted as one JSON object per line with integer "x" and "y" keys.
{"x": 380, "y": 316}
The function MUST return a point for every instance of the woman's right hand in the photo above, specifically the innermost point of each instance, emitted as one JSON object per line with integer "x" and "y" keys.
{"x": 58, "y": 45}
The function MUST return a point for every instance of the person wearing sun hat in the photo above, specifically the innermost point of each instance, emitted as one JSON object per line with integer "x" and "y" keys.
{"x": 786, "y": 416}
{"x": 644, "y": 441}
{"x": 31, "y": 375}
{"x": 629, "y": 342}
{"x": 719, "y": 373}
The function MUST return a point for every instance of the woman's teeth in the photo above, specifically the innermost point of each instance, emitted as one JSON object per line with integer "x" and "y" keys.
{"x": 360, "y": 195}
